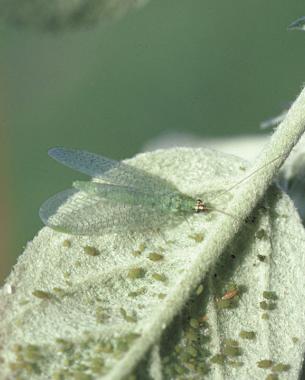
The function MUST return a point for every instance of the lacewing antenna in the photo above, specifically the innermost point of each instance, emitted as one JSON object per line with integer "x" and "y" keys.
{"x": 247, "y": 176}
{"x": 237, "y": 184}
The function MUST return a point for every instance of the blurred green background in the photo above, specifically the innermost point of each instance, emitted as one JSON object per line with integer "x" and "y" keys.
{"x": 211, "y": 68}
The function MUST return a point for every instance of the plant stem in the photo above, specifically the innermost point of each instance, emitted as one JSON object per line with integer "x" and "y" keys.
{"x": 243, "y": 202}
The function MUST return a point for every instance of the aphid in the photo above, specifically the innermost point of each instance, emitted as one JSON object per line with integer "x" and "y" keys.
{"x": 41, "y": 294}
{"x": 265, "y": 363}
{"x": 230, "y": 294}
{"x": 270, "y": 295}
{"x": 119, "y": 197}
{"x": 159, "y": 277}
{"x": 267, "y": 306}
{"x": 232, "y": 351}
{"x": 91, "y": 251}
{"x": 154, "y": 256}
{"x": 218, "y": 359}
{"x": 67, "y": 243}
{"x": 281, "y": 367}
{"x": 199, "y": 290}
{"x": 247, "y": 334}
{"x": 127, "y": 317}
{"x": 136, "y": 272}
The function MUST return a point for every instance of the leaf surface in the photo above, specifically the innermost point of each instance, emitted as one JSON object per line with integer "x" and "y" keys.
{"x": 79, "y": 307}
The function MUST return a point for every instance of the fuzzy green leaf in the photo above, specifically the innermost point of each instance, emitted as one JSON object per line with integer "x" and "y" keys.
{"x": 88, "y": 307}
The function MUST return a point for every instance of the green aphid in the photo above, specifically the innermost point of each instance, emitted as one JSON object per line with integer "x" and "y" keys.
{"x": 247, "y": 334}
{"x": 231, "y": 342}
{"x": 198, "y": 238}
{"x": 261, "y": 234}
{"x": 265, "y": 363}
{"x": 66, "y": 243}
{"x": 194, "y": 323}
{"x": 272, "y": 376}
{"x": 154, "y": 256}
{"x": 232, "y": 351}
{"x": 199, "y": 290}
{"x": 59, "y": 291}
{"x": 140, "y": 250}
{"x": 127, "y": 317}
{"x": 281, "y": 367}
{"x": 265, "y": 316}
{"x": 159, "y": 277}
{"x": 91, "y": 251}
{"x": 42, "y": 294}
{"x": 218, "y": 359}
{"x": 135, "y": 273}
{"x": 23, "y": 302}
{"x": 137, "y": 293}
{"x": 131, "y": 337}
{"x": 142, "y": 247}
{"x": 267, "y": 305}
{"x": 270, "y": 295}
{"x": 295, "y": 339}
{"x": 235, "y": 364}
{"x": 161, "y": 296}
{"x": 67, "y": 274}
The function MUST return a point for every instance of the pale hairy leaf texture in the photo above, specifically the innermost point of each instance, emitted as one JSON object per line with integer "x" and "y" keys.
{"x": 79, "y": 307}
{"x": 55, "y": 15}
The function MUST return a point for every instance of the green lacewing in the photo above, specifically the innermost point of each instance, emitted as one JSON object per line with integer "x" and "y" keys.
{"x": 119, "y": 198}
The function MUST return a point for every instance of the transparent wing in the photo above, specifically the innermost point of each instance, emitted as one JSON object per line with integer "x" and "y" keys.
{"x": 78, "y": 212}
{"x": 84, "y": 162}
{"x": 119, "y": 194}
{"x": 111, "y": 171}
